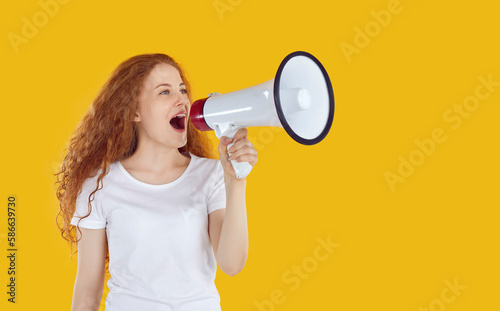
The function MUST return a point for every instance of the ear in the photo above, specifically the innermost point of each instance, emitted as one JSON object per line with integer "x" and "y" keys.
{"x": 137, "y": 117}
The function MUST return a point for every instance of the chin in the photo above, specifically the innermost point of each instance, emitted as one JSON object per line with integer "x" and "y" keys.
{"x": 184, "y": 144}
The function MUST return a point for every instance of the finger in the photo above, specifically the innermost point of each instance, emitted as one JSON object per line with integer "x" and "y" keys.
{"x": 240, "y": 144}
{"x": 243, "y": 152}
{"x": 240, "y": 134}
{"x": 250, "y": 158}
{"x": 224, "y": 141}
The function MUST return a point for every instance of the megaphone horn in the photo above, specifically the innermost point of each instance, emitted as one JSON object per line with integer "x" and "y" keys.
{"x": 299, "y": 99}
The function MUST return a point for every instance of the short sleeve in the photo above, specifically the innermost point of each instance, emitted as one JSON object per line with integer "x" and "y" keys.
{"x": 217, "y": 197}
{"x": 96, "y": 219}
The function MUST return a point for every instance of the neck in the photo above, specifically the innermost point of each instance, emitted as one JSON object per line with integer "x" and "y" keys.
{"x": 154, "y": 158}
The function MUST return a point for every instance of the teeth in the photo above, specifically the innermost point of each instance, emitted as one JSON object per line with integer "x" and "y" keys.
{"x": 180, "y": 115}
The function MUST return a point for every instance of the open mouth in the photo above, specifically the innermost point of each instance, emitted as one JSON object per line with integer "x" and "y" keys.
{"x": 178, "y": 122}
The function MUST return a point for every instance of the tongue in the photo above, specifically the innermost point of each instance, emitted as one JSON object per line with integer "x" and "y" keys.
{"x": 177, "y": 123}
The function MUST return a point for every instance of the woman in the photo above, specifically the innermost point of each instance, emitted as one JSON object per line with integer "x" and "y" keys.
{"x": 148, "y": 198}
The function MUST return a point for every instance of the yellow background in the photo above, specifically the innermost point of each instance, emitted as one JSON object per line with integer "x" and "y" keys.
{"x": 396, "y": 249}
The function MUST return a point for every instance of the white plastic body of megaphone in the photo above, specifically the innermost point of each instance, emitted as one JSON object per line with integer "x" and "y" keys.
{"x": 299, "y": 99}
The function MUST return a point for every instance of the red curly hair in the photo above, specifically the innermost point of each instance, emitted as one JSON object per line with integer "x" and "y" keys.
{"x": 107, "y": 133}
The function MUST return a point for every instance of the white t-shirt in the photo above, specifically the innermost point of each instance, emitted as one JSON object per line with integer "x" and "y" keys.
{"x": 160, "y": 254}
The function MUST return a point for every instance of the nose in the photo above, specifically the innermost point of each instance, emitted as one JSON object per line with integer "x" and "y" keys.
{"x": 180, "y": 99}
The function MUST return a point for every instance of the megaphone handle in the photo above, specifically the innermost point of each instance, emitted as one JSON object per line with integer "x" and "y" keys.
{"x": 242, "y": 169}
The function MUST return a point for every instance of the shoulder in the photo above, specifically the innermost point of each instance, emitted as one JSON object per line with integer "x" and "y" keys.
{"x": 206, "y": 167}
{"x": 205, "y": 163}
{"x": 91, "y": 183}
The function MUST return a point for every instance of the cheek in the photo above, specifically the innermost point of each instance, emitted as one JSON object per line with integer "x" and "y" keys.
{"x": 153, "y": 117}
{"x": 156, "y": 119}
{"x": 153, "y": 110}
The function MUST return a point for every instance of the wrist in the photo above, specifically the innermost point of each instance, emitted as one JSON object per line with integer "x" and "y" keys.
{"x": 234, "y": 181}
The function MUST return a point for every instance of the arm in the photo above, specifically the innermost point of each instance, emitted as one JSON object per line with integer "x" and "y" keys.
{"x": 89, "y": 283}
{"x": 229, "y": 231}
{"x": 228, "y": 227}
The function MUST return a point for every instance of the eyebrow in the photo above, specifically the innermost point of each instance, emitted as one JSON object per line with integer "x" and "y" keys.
{"x": 169, "y": 85}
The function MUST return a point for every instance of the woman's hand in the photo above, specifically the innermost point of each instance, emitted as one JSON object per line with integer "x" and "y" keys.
{"x": 241, "y": 151}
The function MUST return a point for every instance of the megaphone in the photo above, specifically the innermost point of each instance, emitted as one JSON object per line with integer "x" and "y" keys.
{"x": 299, "y": 99}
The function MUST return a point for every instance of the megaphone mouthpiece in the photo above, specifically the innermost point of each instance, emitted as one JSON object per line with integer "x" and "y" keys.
{"x": 196, "y": 115}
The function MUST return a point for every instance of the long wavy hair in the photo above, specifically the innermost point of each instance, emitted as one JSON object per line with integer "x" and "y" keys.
{"x": 107, "y": 133}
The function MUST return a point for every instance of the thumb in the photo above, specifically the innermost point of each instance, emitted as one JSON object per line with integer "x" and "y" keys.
{"x": 224, "y": 141}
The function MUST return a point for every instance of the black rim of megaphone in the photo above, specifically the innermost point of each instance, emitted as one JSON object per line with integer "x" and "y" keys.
{"x": 279, "y": 110}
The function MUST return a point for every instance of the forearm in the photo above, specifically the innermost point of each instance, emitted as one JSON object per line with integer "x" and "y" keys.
{"x": 233, "y": 242}
{"x": 86, "y": 304}
{"x": 85, "y": 307}
{"x": 85, "y": 299}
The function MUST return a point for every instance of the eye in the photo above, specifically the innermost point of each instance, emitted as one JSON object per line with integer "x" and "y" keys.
{"x": 166, "y": 92}
{"x": 184, "y": 91}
